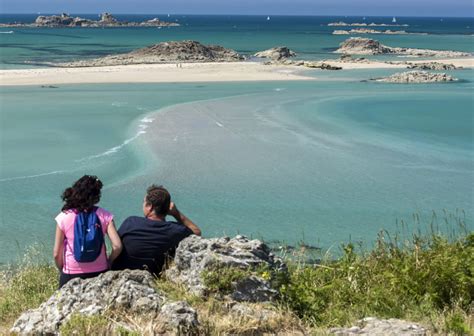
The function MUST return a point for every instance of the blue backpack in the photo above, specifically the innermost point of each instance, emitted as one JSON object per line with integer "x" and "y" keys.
{"x": 88, "y": 236}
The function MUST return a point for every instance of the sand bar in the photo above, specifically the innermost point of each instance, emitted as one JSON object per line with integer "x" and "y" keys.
{"x": 152, "y": 73}
{"x": 188, "y": 72}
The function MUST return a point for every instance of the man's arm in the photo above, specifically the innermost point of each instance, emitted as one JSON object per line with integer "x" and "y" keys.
{"x": 182, "y": 219}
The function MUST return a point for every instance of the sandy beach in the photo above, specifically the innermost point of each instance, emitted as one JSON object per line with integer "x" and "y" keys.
{"x": 153, "y": 73}
{"x": 187, "y": 72}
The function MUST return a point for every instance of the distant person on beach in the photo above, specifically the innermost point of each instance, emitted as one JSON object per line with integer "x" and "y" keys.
{"x": 79, "y": 247}
{"x": 148, "y": 241}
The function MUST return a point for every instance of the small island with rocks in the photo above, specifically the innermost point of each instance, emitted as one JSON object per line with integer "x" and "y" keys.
{"x": 366, "y": 46}
{"x": 357, "y": 24}
{"x": 164, "y": 52}
{"x": 410, "y": 77}
{"x": 106, "y": 20}
{"x": 373, "y": 31}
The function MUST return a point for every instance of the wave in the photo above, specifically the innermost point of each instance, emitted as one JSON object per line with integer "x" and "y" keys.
{"x": 141, "y": 130}
{"x": 32, "y": 176}
{"x": 7, "y": 32}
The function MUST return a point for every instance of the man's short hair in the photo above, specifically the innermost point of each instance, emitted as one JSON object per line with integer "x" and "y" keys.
{"x": 159, "y": 198}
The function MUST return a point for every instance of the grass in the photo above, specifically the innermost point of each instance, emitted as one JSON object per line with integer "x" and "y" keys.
{"x": 427, "y": 278}
{"x": 25, "y": 286}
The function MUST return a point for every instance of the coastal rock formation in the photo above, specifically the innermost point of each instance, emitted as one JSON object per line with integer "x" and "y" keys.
{"x": 277, "y": 53}
{"x": 197, "y": 258}
{"x": 432, "y": 66}
{"x": 362, "y": 46}
{"x": 416, "y": 77}
{"x": 374, "y": 326}
{"x": 366, "y": 46}
{"x": 344, "y": 24}
{"x": 309, "y": 64}
{"x": 106, "y": 20}
{"x": 128, "y": 290}
{"x": 165, "y": 52}
{"x": 373, "y": 31}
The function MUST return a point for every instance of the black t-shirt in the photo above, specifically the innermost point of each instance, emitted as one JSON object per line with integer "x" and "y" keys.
{"x": 146, "y": 243}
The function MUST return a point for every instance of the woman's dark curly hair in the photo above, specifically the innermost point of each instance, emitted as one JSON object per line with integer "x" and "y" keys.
{"x": 83, "y": 194}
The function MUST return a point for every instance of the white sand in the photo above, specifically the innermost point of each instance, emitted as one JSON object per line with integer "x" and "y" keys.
{"x": 189, "y": 72}
{"x": 152, "y": 73}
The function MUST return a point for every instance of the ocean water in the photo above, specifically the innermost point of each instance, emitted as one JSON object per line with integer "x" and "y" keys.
{"x": 323, "y": 161}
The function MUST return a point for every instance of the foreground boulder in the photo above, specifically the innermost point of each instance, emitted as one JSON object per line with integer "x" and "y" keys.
{"x": 277, "y": 53}
{"x": 374, "y": 326}
{"x": 240, "y": 268}
{"x": 417, "y": 77}
{"x": 366, "y": 46}
{"x": 165, "y": 52}
{"x": 129, "y": 291}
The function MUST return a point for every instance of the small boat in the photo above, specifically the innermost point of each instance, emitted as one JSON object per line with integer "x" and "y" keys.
{"x": 268, "y": 18}
{"x": 394, "y": 20}
{"x": 168, "y": 15}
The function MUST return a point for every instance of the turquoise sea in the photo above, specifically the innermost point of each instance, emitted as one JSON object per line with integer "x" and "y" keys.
{"x": 322, "y": 161}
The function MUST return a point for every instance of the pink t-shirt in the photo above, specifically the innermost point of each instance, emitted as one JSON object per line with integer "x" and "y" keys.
{"x": 65, "y": 221}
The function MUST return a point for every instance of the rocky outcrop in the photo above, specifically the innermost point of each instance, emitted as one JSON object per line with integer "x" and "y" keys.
{"x": 165, "y": 52}
{"x": 106, "y": 20}
{"x": 416, "y": 77}
{"x": 344, "y": 24}
{"x": 197, "y": 257}
{"x": 366, "y": 46}
{"x": 277, "y": 53}
{"x": 128, "y": 290}
{"x": 323, "y": 65}
{"x": 362, "y": 46}
{"x": 432, "y": 66}
{"x": 374, "y": 326}
{"x": 373, "y": 31}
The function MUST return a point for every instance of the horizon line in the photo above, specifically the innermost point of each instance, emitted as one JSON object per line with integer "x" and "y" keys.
{"x": 228, "y": 14}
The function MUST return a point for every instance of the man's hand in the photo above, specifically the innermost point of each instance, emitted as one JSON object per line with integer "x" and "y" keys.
{"x": 173, "y": 211}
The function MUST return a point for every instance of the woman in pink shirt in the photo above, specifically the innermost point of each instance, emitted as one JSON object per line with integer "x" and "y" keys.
{"x": 82, "y": 197}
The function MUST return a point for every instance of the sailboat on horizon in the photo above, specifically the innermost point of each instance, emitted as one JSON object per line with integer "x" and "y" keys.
{"x": 394, "y": 20}
{"x": 268, "y": 18}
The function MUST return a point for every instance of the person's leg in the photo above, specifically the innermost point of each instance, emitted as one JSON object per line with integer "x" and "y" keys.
{"x": 64, "y": 278}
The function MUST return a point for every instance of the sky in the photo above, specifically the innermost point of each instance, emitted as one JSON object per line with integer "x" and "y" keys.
{"x": 437, "y": 8}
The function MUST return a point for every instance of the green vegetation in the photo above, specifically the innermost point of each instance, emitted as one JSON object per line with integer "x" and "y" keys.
{"x": 427, "y": 279}
{"x": 80, "y": 324}
{"x": 26, "y": 286}
{"x": 220, "y": 279}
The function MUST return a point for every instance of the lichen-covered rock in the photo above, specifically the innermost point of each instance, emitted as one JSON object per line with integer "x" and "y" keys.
{"x": 277, "y": 53}
{"x": 180, "y": 316}
{"x": 165, "y": 52}
{"x": 127, "y": 290}
{"x": 375, "y": 327}
{"x": 195, "y": 256}
{"x": 416, "y": 77}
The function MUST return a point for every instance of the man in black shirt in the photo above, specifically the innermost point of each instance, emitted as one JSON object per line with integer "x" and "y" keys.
{"x": 148, "y": 241}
